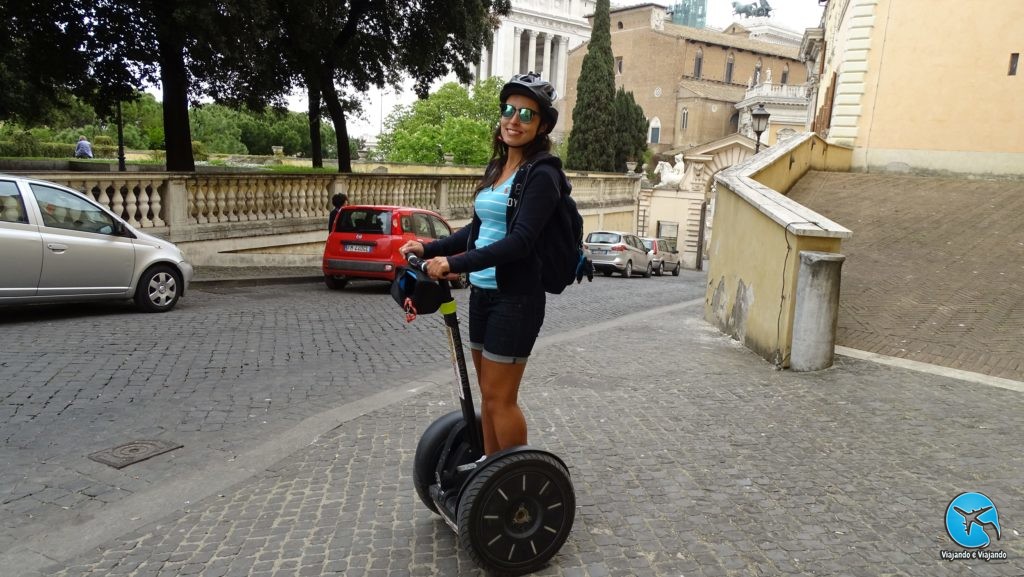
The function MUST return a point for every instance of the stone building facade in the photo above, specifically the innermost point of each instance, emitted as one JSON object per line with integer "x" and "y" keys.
{"x": 687, "y": 80}
{"x": 537, "y": 36}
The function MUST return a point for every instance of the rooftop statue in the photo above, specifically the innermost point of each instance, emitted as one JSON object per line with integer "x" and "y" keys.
{"x": 758, "y": 8}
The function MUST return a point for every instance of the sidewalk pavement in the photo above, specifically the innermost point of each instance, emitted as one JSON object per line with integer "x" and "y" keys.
{"x": 228, "y": 275}
{"x": 689, "y": 454}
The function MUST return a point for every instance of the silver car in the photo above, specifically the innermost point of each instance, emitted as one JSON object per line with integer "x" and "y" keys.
{"x": 664, "y": 255}
{"x": 614, "y": 251}
{"x": 58, "y": 245}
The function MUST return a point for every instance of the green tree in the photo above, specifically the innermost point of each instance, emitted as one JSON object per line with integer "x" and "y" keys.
{"x": 338, "y": 49}
{"x": 42, "y": 57}
{"x": 218, "y": 128}
{"x": 450, "y": 121}
{"x": 592, "y": 129}
{"x": 630, "y": 129}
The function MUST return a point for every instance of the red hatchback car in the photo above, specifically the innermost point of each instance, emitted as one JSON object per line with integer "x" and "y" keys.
{"x": 365, "y": 241}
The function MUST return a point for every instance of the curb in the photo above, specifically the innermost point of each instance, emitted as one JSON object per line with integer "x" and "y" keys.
{"x": 251, "y": 281}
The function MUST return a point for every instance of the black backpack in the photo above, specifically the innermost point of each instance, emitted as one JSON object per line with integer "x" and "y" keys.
{"x": 561, "y": 242}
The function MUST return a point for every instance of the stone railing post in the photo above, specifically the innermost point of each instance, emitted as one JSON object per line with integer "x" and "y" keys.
{"x": 338, "y": 184}
{"x": 175, "y": 207}
{"x": 441, "y": 198}
{"x": 817, "y": 310}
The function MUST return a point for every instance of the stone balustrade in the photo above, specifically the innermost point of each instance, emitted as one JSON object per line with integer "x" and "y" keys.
{"x": 766, "y": 90}
{"x": 185, "y": 207}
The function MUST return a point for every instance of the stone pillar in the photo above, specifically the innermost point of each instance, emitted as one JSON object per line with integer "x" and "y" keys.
{"x": 483, "y": 68}
{"x": 517, "y": 48}
{"x": 563, "y": 63}
{"x": 531, "y": 52}
{"x": 175, "y": 207}
{"x": 545, "y": 70}
{"x": 817, "y": 310}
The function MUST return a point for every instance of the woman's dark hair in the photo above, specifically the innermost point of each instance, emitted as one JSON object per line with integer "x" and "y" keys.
{"x": 338, "y": 200}
{"x": 499, "y": 154}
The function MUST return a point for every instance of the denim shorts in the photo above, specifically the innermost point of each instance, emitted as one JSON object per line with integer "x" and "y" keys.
{"x": 504, "y": 326}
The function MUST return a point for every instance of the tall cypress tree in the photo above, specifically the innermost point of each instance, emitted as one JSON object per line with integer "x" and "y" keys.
{"x": 630, "y": 129}
{"x": 593, "y": 126}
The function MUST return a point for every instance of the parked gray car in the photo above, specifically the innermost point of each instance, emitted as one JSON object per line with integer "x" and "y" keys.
{"x": 615, "y": 251}
{"x": 664, "y": 255}
{"x": 59, "y": 245}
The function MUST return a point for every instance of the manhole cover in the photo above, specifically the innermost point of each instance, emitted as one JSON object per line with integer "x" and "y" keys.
{"x": 121, "y": 456}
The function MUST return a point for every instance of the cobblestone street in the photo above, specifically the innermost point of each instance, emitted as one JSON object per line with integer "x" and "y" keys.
{"x": 689, "y": 454}
{"x": 935, "y": 269}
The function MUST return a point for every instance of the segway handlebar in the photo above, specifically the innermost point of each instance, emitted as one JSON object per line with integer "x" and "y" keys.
{"x": 416, "y": 262}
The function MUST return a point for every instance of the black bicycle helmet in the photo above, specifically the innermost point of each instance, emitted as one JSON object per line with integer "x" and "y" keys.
{"x": 531, "y": 85}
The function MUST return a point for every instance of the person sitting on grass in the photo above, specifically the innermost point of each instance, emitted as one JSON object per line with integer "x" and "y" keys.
{"x": 84, "y": 148}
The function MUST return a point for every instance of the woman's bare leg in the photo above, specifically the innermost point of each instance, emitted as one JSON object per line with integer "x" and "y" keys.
{"x": 490, "y": 440}
{"x": 503, "y": 421}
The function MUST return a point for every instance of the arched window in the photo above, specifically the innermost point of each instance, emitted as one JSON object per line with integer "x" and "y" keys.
{"x": 698, "y": 63}
{"x": 785, "y": 74}
{"x": 757, "y": 72}
{"x": 654, "y": 131}
{"x": 729, "y": 64}
{"x": 684, "y": 118}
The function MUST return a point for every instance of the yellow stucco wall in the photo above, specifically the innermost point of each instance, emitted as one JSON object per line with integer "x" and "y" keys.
{"x": 752, "y": 276}
{"x": 923, "y": 85}
{"x": 754, "y": 260}
{"x": 942, "y": 81}
{"x": 814, "y": 154}
{"x": 621, "y": 221}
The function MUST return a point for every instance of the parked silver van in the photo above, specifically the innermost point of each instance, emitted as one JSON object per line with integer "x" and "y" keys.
{"x": 616, "y": 251}
{"x": 59, "y": 245}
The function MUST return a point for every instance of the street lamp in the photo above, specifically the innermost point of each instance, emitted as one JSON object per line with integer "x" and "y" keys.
{"x": 760, "y": 121}
{"x": 120, "y": 138}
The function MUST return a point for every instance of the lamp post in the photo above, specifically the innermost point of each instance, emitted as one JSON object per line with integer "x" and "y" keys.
{"x": 760, "y": 121}
{"x": 120, "y": 138}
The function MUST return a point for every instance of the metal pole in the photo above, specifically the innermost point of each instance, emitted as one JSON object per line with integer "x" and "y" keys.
{"x": 120, "y": 139}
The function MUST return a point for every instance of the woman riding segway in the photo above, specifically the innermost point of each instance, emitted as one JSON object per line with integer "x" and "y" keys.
{"x": 512, "y": 505}
{"x": 499, "y": 250}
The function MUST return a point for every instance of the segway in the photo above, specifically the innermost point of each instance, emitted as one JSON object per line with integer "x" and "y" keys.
{"x": 512, "y": 510}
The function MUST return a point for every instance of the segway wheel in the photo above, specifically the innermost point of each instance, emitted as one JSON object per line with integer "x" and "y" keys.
{"x": 428, "y": 453}
{"x": 516, "y": 513}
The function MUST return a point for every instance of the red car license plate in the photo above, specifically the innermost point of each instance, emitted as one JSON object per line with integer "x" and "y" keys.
{"x": 358, "y": 248}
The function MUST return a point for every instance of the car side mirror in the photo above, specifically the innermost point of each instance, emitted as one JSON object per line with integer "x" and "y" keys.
{"x": 121, "y": 230}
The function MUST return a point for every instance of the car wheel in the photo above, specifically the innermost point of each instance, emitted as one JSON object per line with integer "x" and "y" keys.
{"x": 335, "y": 283}
{"x": 660, "y": 270}
{"x": 675, "y": 271}
{"x": 628, "y": 271}
{"x": 648, "y": 270}
{"x": 158, "y": 290}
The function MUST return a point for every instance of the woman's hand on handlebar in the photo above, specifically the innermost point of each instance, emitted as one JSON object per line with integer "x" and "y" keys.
{"x": 415, "y": 247}
{"x": 438, "y": 268}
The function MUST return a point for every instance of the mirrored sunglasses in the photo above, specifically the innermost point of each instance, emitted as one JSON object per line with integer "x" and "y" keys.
{"x": 526, "y": 115}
